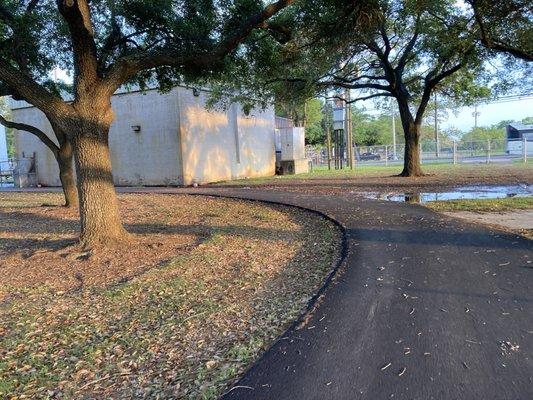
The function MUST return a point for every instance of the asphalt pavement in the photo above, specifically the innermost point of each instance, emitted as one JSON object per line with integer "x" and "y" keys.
{"x": 423, "y": 306}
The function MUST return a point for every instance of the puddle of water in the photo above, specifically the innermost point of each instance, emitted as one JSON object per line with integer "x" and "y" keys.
{"x": 471, "y": 192}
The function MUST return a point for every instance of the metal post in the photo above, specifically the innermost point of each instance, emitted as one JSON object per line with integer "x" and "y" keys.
{"x": 341, "y": 148}
{"x": 454, "y": 152}
{"x": 350, "y": 132}
{"x": 488, "y": 151}
{"x": 328, "y": 138}
{"x": 333, "y": 151}
{"x": 386, "y": 155}
{"x": 437, "y": 150}
{"x": 393, "y": 130}
{"x": 348, "y": 129}
{"x": 524, "y": 149}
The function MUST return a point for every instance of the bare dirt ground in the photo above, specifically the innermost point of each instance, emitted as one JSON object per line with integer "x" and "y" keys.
{"x": 179, "y": 312}
{"x": 383, "y": 179}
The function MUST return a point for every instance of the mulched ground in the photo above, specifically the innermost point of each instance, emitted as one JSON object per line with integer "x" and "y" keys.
{"x": 178, "y": 313}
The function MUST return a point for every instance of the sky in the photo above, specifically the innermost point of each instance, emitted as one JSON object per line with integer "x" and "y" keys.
{"x": 489, "y": 114}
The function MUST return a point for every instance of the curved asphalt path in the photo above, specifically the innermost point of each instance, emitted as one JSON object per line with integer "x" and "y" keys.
{"x": 422, "y": 307}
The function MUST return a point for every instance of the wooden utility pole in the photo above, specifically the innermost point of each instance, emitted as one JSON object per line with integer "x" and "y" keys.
{"x": 475, "y": 114}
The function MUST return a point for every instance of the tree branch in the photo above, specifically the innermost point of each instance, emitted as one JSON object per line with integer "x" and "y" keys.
{"x": 358, "y": 98}
{"x": 430, "y": 85}
{"x": 78, "y": 17}
{"x": 126, "y": 67}
{"x": 406, "y": 54}
{"x": 371, "y": 97}
{"x": 358, "y": 78}
{"x": 495, "y": 44}
{"x": 347, "y": 85}
{"x": 33, "y": 130}
{"x": 386, "y": 40}
{"x": 384, "y": 61}
{"x": 29, "y": 89}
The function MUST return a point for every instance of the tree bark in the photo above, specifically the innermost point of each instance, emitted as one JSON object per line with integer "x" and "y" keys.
{"x": 411, "y": 132}
{"x": 411, "y": 162}
{"x": 99, "y": 212}
{"x": 66, "y": 174}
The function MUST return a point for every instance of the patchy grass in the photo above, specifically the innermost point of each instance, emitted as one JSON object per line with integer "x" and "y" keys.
{"x": 206, "y": 287}
{"x": 483, "y": 205}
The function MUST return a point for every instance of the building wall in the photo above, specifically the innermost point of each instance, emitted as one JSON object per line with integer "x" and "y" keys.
{"x": 179, "y": 142}
{"x": 148, "y": 157}
{"x": 224, "y": 144}
{"x": 26, "y": 144}
{"x": 151, "y": 156}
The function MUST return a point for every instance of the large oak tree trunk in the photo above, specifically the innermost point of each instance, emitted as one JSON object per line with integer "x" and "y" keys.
{"x": 99, "y": 212}
{"x": 411, "y": 163}
{"x": 66, "y": 174}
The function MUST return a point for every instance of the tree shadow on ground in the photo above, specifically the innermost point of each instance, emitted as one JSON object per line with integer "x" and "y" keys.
{"x": 431, "y": 237}
{"x": 27, "y": 224}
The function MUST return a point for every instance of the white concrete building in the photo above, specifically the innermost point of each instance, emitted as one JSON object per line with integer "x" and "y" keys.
{"x": 167, "y": 139}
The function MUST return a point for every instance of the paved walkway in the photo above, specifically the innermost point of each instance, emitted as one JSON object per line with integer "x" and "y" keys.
{"x": 423, "y": 307}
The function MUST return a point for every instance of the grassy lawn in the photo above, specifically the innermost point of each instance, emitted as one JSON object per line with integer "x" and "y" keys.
{"x": 180, "y": 312}
{"x": 483, "y": 205}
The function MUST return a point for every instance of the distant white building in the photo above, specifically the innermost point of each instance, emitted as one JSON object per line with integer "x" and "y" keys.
{"x": 517, "y": 135}
{"x": 167, "y": 139}
{"x": 3, "y": 144}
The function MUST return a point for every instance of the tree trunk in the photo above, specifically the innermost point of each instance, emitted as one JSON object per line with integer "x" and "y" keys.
{"x": 99, "y": 212}
{"x": 411, "y": 132}
{"x": 411, "y": 161}
{"x": 66, "y": 174}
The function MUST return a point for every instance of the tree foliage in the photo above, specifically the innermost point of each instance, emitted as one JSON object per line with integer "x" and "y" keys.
{"x": 505, "y": 26}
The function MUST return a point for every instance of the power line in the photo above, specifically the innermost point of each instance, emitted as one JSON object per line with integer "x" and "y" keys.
{"x": 507, "y": 99}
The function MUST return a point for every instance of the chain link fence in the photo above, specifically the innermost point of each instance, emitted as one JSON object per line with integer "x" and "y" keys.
{"x": 460, "y": 152}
